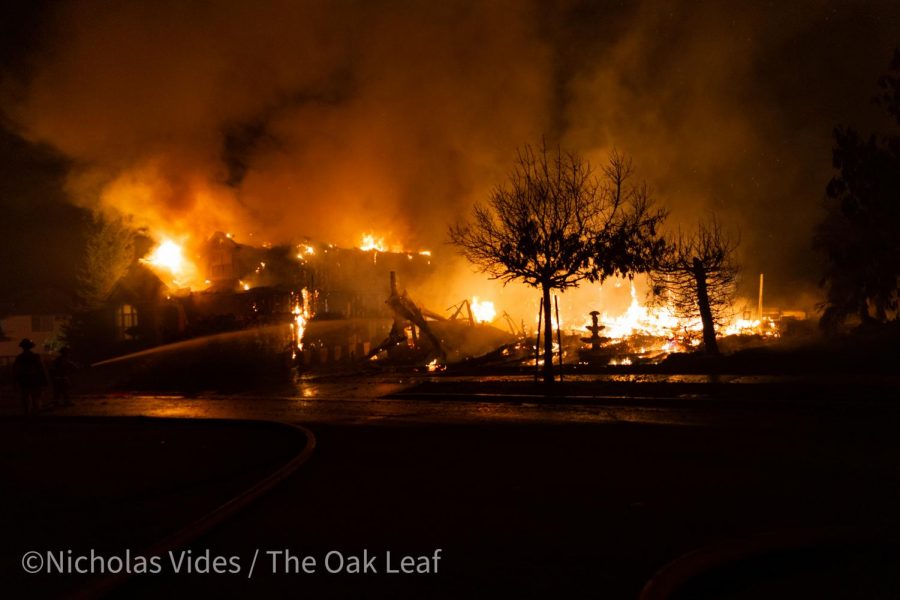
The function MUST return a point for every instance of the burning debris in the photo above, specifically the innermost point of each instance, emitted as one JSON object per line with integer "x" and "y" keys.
{"x": 477, "y": 311}
{"x": 417, "y": 333}
{"x": 408, "y": 317}
{"x": 650, "y": 333}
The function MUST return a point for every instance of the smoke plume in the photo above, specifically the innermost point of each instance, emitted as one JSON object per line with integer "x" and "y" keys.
{"x": 279, "y": 120}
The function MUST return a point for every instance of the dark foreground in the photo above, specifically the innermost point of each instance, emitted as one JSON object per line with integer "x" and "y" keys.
{"x": 518, "y": 507}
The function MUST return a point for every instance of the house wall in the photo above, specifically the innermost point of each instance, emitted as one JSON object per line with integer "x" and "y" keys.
{"x": 43, "y": 330}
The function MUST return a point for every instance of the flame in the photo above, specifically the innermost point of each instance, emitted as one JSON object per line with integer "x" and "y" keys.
{"x": 554, "y": 322}
{"x": 641, "y": 320}
{"x": 168, "y": 260}
{"x": 302, "y": 314}
{"x": 167, "y": 255}
{"x": 482, "y": 310}
{"x": 370, "y": 242}
{"x": 671, "y": 332}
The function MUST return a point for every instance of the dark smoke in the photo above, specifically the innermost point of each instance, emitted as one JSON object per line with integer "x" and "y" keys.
{"x": 331, "y": 119}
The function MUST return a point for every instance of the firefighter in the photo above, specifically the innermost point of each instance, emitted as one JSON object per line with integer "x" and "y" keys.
{"x": 29, "y": 376}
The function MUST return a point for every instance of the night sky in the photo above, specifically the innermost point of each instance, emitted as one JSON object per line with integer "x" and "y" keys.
{"x": 321, "y": 119}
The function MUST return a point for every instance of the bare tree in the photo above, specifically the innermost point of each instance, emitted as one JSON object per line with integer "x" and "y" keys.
{"x": 697, "y": 273}
{"x": 555, "y": 223}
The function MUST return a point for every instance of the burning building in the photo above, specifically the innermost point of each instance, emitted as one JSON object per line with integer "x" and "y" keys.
{"x": 332, "y": 303}
{"x": 329, "y": 300}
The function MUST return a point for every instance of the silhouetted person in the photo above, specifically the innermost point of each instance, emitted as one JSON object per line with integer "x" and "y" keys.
{"x": 60, "y": 369}
{"x": 29, "y": 376}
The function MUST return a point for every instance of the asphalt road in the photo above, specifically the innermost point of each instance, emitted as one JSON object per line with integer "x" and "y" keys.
{"x": 522, "y": 499}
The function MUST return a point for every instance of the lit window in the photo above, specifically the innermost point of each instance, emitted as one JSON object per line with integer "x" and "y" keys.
{"x": 126, "y": 318}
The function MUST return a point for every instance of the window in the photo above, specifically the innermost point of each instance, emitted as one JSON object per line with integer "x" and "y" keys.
{"x": 126, "y": 318}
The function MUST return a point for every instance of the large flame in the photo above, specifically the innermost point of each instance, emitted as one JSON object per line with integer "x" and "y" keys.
{"x": 652, "y": 332}
{"x": 169, "y": 256}
{"x": 169, "y": 260}
{"x": 641, "y": 320}
{"x": 673, "y": 332}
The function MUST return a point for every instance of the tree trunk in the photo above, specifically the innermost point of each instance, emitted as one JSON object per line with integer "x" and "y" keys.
{"x": 548, "y": 336}
{"x": 709, "y": 328}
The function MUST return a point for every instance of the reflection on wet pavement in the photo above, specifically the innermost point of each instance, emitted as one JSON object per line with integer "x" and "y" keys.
{"x": 384, "y": 398}
{"x": 361, "y": 404}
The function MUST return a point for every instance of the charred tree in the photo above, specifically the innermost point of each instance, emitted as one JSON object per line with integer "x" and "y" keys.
{"x": 556, "y": 222}
{"x": 703, "y": 305}
{"x": 698, "y": 275}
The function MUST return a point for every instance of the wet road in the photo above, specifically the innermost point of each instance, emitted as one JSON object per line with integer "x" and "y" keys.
{"x": 368, "y": 411}
{"x": 580, "y": 497}
{"x": 680, "y": 400}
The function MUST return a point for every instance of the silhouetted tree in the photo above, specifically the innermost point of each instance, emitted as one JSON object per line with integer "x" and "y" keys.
{"x": 556, "y": 223}
{"x": 697, "y": 273}
{"x": 108, "y": 253}
{"x": 860, "y": 234}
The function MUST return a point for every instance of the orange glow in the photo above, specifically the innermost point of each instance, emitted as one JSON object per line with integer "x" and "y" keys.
{"x": 483, "y": 311}
{"x": 302, "y": 314}
{"x": 167, "y": 255}
{"x": 370, "y": 242}
{"x": 168, "y": 260}
{"x": 641, "y": 320}
{"x": 661, "y": 331}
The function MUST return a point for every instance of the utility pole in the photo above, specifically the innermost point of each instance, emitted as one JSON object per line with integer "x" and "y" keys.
{"x": 759, "y": 306}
